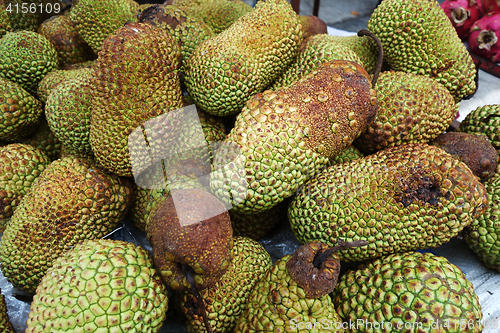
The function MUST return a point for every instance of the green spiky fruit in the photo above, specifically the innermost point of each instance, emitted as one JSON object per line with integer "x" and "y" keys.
{"x": 483, "y": 235}
{"x": 484, "y": 120}
{"x": 403, "y": 198}
{"x": 124, "y": 96}
{"x": 25, "y": 58}
{"x": 45, "y": 140}
{"x": 14, "y": 17}
{"x": 52, "y": 80}
{"x": 313, "y": 52}
{"x": 226, "y": 70}
{"x": 100, "y": 286}
{"x": 69, "y": 202}
{"x": 419, "y": 38}
{"x": 226, "y": 300}
{"x": 19, "y": 111}
{"x": 348, "y": 154}
{"x": 70, "y": 46}
{"x": 412, "y": 108}
{"x": 280, "y": 302}
{"x": 5, "y": 324}
{"x": 283, "y": 137}
{"x": 95, "y": 20}
{"x": 68, "y": 112}
{"x": 20, "y": 165}
{"x": 364, "y": 47}
{"x": 408, "y": 292}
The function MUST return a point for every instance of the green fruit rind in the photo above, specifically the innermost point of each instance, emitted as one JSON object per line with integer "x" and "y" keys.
{"x": 399, "y": 199}
{"x": 408, "y": 292}
{"x": 484, "y": 120}
{"x": 100, "y": 286}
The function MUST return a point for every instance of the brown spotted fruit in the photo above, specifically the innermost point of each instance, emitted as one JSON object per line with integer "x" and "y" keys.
{"x": 403, "y": 198}
{"x": 283, "y": 137}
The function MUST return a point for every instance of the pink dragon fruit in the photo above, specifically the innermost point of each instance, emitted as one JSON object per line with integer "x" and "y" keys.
{"x": 489, "y": 6}
{"x": 462, "y": 14}
{"x": 484, "y": 38}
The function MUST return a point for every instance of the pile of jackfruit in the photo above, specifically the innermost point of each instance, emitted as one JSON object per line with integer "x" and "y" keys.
{"x": 208, "y": 124}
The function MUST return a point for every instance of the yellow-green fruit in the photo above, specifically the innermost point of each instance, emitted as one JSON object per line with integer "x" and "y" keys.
{"x": 278, "y": 304}
{"x": 225, "y": 301}
{"x": 348, "y": 154}
{"x": 25, "y": 58}
{"x": 18, "y": 15}
{"x": 403, "y": 198}
{"x": 225, "y": 71}
{"x": 412, "y": 108}
{"x": 69, "y": 202}
{"x": 188, "y": 30}
{"x": 100, "y": 286}
{"x": 483, "y": 234}
{"x": 313, "y": 52}
{"x": 19, "y": 111}
{"x": 70, "y": 46}
{"x": 52, "y": 80}
{"x": 95, "y": 20}
{"x": 135, "y": 81}
{"x": 408, "y": 292}
{"x": 283, "y": 137}
{"x": 20, "y": 165}
{"x": 484, "y": 120}
{"x": 5, "y": 324}
{"x": 364, "y": 47}
{"x": 45, "y": 140}
{"x": 68, "y": 112}
{"x": 419, "y": 38}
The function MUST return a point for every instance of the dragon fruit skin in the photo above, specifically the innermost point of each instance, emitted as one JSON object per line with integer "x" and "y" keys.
{"x": 462, "y": 14}
{"x": 484, "y": 39}
{"x": 489, "y": 6}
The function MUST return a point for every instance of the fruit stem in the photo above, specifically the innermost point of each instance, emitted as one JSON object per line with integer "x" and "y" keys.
{"x": 320, "y": 258}
{"x": 380, "y": 60}
{"x": 189, "y": 274}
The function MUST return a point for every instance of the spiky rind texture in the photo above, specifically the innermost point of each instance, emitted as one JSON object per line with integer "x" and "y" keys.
{"x": 13, "y": 17}
{"x": 484, "y": 120}
{"x": 410, "y": 292}
{"x": 226, "y": 70}
{"x": 100, "y": 285}
{"x": 45, "y": 140}
{"x": 5, "y": 324}
{"x": 418, "y": 37}
{"x": 364, "y": 47}
{"x": 412, "y": 108}
{"x": 69, "y": 202}
{"x": 348, "y": 154}
{"x": 403, "y": 198}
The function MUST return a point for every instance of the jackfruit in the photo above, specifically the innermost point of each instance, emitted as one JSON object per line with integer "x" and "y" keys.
{"x": 412, "y": 108}
{"x": 225, "y": 71}
{"x": 418, "y": 38}
{"x": 408, "y": 292}
{"x": 283, "y": 137}
{"x": 52, "y": 80}
{"x": 69, "y": 202}
{"x": 483, "y": 234}
{"x": 5, "y": 324}
{"x": 484, "y": 120}
{"x": 20, "y": 165}
{"x": 312, "y": 25}
{"x": 25, "y": 58}
{"x": 95, "y": 20}
{"x": 45, "y": 140}
{"x": 100, "y": 286}
{"x": 135, "y": 80}
{"x": 20, "y": 112}
{"x": 227, "y": 299}
{"x": 364, "y": 47}
{"x": 13, "y": 17}
{"x": 348, "y": 154}
{"x": 403, "y": 198}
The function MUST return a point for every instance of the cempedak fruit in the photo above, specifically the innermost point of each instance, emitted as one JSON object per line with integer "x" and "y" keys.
{"x": 484, "y": 120}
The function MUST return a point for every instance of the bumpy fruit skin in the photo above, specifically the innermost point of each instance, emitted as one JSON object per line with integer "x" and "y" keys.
{"x": 19, "y": 111}
{"x": 403, "y": 198}
{"x": 484, "y": 120}
{"x": 68, "y": 112}
{"x": 20, "y": 165}
{"x": 281, "y": 138}
{"x": 484, "y": 38}
{"x": 70, "y": 46}
{"x": 226, "y": 300}
{"x": 348, "y": 154}
{"x": 95, "y": 20}
{"x": 226, "y": 70}
{"x": 45, "y": 140}
{"x": 100, "y": 286}
{"x": 312, "y": 25}
{"x": 26, "y": 57}
{"x": 313, "y": 52}
{"x": 483, "y": 235}
{"x": 69, "y": 202}
{"x": 278, "y": 304}
{"x": 52, "y": 80}
{"x": 462, "y": 14}
{"x": 135, "y": 80}
{"x": 5, "y": 324}
{"x": 12, "y": 17}
{"x": 409, "y": 288}
{"x": 412, "y": 108}
{"x": 418, "y": 37}
{"x": 364, "y": 47}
